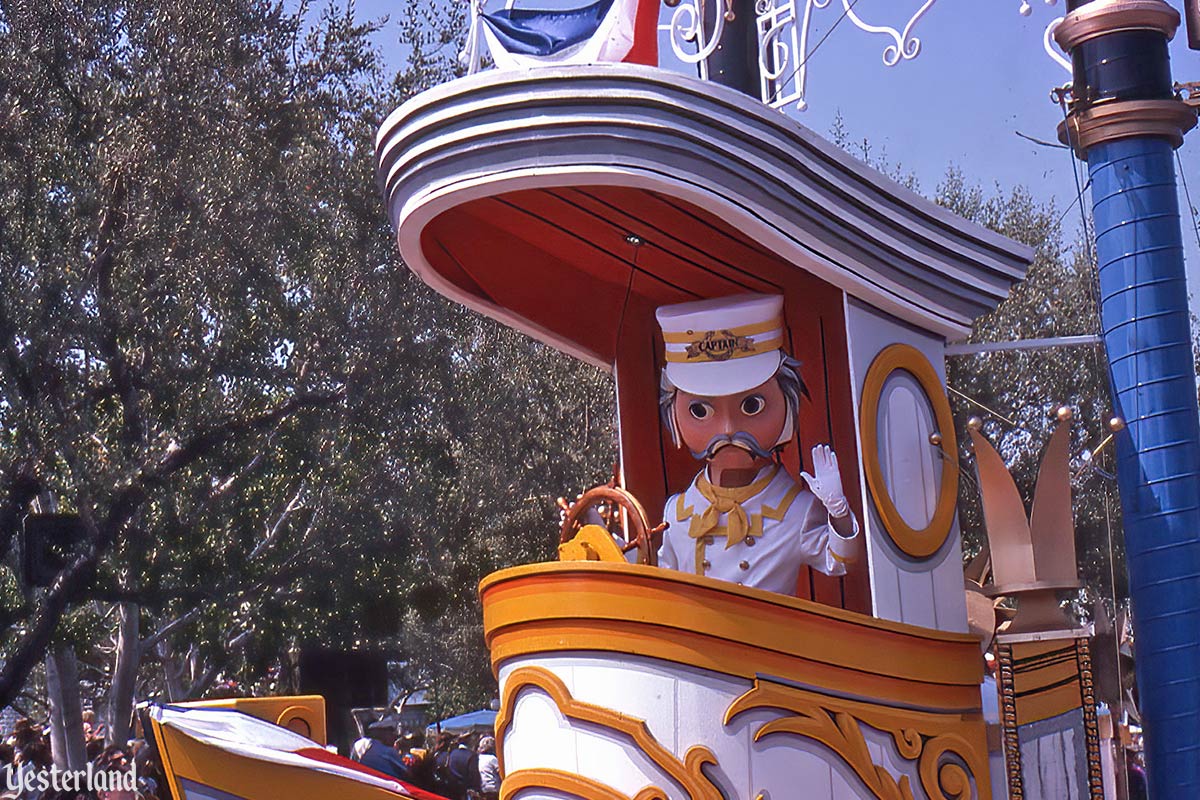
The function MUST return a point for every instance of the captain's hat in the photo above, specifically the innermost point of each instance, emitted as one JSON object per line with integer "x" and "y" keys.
{"x": 722, "y": 346}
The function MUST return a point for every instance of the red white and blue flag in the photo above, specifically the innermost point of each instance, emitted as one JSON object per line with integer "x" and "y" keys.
{"x": 256, "y": 740}
{"x": 601, "y": 31}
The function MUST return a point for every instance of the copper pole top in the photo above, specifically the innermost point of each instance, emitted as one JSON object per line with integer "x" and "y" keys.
{"x": 1101, "y": 17}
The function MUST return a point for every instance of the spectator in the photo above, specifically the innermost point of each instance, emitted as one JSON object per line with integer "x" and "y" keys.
{"x": 92, "y": 731}
{"x": 115, "y": 760}
{"x": 24, "y": 732}
{"x": 148, "y": 772}
{"x": 1136, "y": 768}
{"x": 410, "y": 754}
{"x": 489, "y": 769}
{"x": 7, "y": 754}
{"x": 421, "y": 763}
{"x": 32, "y": 756}
{"x": 375, "y": 751}
{"x": 456, "y": 770}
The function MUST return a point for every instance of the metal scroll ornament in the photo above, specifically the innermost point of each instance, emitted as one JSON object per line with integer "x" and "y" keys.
{"x": 1048, "y": 45}
{"x": 785, "y": 33}
{"x": 690, "y": 42}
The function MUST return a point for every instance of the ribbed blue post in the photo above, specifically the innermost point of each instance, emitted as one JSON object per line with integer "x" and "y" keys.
{"x": 1144, "y": 311}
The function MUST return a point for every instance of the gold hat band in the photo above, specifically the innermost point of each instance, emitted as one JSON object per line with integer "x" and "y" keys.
{"x": 722, "y": 346}
{"x": 687, "y": 337}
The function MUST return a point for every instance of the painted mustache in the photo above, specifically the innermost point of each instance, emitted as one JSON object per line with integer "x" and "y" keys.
{"x": 742, "y": 439}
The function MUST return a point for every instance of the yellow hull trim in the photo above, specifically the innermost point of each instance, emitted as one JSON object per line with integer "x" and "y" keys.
{"x": 630, "y": 609}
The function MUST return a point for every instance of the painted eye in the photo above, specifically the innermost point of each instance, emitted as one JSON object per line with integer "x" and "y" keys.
{"x": 700, "y": 410}
{"x": 753, "y": 404}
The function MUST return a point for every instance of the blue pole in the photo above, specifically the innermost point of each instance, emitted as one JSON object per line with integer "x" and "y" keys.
{"x": 1144, "y": 312}
{"x": 1126, "y": 119}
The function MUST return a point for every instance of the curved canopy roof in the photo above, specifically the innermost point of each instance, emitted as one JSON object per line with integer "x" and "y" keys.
{"x": 528, "y": 195}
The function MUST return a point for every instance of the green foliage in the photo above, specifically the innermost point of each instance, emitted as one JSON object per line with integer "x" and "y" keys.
{"x": 528, "y": 424}
{"x": 187, "y": 267}
{"x": 865, "y": 151}
{"x": 1018, "y": 392}
{"x": 277, "y": 437}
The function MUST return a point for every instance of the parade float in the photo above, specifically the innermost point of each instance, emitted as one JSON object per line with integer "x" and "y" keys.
{"x": 580, "y": 188}
{"x": 573, "y": 200}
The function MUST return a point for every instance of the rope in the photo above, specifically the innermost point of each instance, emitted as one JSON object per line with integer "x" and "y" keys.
{"x": 991, "y": 411}
{"x": 1093, "y": 464}
{"x": 1078, "y": 199}
{"x": 1188, "y": 196}
{"x": 1080, "y": 188}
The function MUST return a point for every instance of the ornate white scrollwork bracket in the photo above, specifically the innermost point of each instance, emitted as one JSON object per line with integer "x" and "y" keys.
{"x": 1051, "y": 47}
{"x": 687, "y": 32}
{"x": 783, "y": 71}
{"x": 905, "y": 46}
{"x": 1048, "y": 43}
{"x": 784, "y": 32}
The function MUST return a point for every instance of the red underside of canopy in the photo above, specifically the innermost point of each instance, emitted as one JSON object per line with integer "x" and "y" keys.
{"x": 562, "y": 258}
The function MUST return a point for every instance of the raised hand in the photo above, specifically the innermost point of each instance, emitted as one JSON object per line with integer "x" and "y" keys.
{"x": 826, "y": 481}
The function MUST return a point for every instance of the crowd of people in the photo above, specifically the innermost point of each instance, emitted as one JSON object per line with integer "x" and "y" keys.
{"x": 461, "y": 767}
{"x": 26, "y": 755}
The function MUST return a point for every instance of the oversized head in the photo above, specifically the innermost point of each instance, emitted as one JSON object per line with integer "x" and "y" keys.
{"x": 728, "y": 392}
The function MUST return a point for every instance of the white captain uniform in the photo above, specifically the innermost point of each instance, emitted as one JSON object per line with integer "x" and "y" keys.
{"x": 788, "y": 527}
{"x": 759, "y": 535}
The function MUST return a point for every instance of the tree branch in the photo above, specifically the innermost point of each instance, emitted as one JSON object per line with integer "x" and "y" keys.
{"x": 103, "y": 265}
{"x": 20, "y": 487}
{"x": 203, "y": 682}
{"x": 13, "y": 364}
{"x": 124, "y": 505}
{"x": 206, "y": 441}
{"x": 69, "y": 582}
{"x": 32, "y": 646}
{"x": 274, "y": 531}
{"x": 166, "y": 630}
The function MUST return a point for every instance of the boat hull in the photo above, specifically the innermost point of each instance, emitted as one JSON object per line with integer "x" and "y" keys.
{"x": 624, "y": 681}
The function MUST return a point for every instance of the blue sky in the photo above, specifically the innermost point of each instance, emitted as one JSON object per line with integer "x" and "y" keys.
{"x": 981, "y": 77}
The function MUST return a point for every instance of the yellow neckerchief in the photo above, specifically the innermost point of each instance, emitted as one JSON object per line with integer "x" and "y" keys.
{"x": 726, "y": 501}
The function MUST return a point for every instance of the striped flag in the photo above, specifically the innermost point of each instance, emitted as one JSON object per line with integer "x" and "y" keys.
{"x": 249, "y": 741}
{"x": 602, "y": 31}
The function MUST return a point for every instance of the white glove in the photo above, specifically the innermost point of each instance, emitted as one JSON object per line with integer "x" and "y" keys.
{"x": 826, "y": 484}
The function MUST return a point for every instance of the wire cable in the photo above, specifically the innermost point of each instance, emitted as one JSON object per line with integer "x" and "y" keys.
{"x": 1080, "y": 188}
{"x": 1188, "y": 196}
{"x": 849, "y": 7}
{"x": 991, "y": 411}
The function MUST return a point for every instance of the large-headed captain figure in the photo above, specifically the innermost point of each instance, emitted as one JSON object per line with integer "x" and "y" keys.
{"x": 732, "y": 397}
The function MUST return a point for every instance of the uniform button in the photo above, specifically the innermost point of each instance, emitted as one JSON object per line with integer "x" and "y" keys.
{"x": 749, "y": 541}
{"x": 744, "y": 565}
{"x": 708, "y": 539}
{"x": 706, "y": 563}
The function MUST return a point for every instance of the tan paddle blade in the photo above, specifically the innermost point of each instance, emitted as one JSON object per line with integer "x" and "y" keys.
{"x": 1051, "y": 523}
{"x": 1004, "y": 516}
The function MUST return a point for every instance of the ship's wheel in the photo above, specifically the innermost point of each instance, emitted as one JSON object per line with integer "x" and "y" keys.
{"x": 613, "y": 508}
